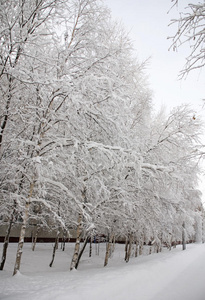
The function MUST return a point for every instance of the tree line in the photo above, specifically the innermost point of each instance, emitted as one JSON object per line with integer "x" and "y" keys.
{"x": 80, "y": 145}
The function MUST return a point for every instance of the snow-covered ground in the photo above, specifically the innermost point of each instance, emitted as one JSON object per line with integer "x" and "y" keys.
{"x": 170, "y": 275}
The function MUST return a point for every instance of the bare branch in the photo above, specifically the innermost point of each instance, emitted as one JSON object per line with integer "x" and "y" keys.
{"x": 191, "y": 31}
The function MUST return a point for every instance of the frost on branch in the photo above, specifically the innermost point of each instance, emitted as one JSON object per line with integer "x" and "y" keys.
{"x": 191, "y": 31}
{"x": 80, "y": 148}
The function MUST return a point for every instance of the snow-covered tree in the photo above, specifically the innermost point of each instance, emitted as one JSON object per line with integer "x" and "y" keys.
{"x": 172, "y": 150}
{"x": 191, "y": 32}
{"x": 80, "y": 149}
{"x": 55, "y": 106}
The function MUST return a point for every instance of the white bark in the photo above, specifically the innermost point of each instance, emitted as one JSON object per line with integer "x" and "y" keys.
{"x": 23, "y": 231}
{"x": 77, "y": 243}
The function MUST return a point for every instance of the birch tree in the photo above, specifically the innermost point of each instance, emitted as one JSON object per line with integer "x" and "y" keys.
{"x": 21, "y": 23}
{"x": 177, "y": 141}
{"x": 45, "y": 122}
{"x": 79, "y": 140}
{"x": 190, "y": 32}
{"x": 24, "y": 29}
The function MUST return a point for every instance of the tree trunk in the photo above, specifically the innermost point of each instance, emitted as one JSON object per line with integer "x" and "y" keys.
{"x": 63, "y": 240}
{"x": 81, "y": 251}
{"x": 113, "y": 245}
{"x": 159, "y": 247}
{"x": 126, "y": 248}
{"x": 63, "y": 245}
{"x": 6, "y": 115}
{"x": 23, "y": 231}
{"x": 136, "y": 248}
{"x": 97, "y": 244}
{"x": 108, "y": 249}
{"x": 160, "y": 242}
{"x": 55, "y": 247}
{"x": 170, "y": 244}
{"x": 183, "y": 237}
{"x": 141, "y": 246}
{"x": 174, "y": 244}
{"x": 129, "y": 247}
{"x": 90, "y": 251}
{"x": 6, "y": 239}
{"x": 77, "y": 243}
{"x": 5, "y": 246}
{"x": 35, "y": 238}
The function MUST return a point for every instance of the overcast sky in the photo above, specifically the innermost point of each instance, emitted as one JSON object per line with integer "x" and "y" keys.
{"x": 147, "y": 22}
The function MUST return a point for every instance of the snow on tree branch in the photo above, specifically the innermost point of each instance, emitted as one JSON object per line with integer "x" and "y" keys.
{"x": 191, "y": 31}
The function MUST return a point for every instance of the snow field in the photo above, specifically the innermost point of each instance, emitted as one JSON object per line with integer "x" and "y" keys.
{"x": 170, "y": 275}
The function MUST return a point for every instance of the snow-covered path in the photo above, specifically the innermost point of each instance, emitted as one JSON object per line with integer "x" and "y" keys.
{"x": 189, "y": 280}
{"x": 170, "y": 275}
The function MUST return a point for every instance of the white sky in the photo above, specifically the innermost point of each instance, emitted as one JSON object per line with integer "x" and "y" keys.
{"x": 147, "y": 22}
